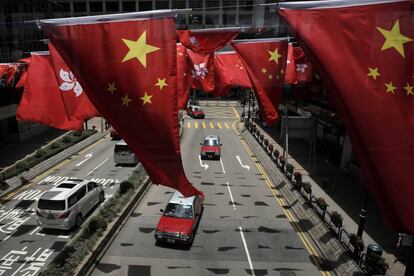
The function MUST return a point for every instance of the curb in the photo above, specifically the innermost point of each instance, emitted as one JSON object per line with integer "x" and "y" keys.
{"x": 89, "y": 261}
{"x": 20, "y": 180}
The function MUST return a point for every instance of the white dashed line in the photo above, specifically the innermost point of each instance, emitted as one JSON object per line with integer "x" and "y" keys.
{"x": 222, "y": 166}
{"x": 231, "y": 196}
{"x": 249, "y": 260}
{"x": 98, "y": 166}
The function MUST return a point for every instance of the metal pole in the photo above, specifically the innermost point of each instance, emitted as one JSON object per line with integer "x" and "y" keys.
{"x": 363, "y": 216}
{"x": 249, "y": 112}
{"x": 287, "y": 139}
{"x": 409, "y": 268}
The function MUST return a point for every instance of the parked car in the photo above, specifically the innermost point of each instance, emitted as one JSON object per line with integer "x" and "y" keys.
{"x": 210, "y": 147}
{"x": 123, "y": 155}
{"x": 179, "y": 221}
{"x": 67, "y": 204}
{"x": 115, "y": 135}
{"x": 195, "y": 112}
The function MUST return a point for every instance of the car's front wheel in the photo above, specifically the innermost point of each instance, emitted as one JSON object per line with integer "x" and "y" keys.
{"x": 78, "y": 221}
{"x": 101, "y": 197}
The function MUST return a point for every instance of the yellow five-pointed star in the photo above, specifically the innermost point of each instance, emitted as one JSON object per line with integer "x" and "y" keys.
{"x": 139, "y": 49}
{"x": 275, "y": 55}
{"x": 264, "y": 71}
{"x": 111, "y": 88}
{"x": 390, "y": 87}
{"x": 161, "y": 83}
{"x": 125, "y": 100}
{"x": 394, "y": 39}
{"x": 146, "y": 98}
{"x": 270, "y": 77}
{"x": 409, "y": 89}
{"x": 373, "y": 72}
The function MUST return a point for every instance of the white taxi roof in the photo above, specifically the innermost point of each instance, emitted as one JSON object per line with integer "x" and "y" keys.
{"x": 178, "y": 198}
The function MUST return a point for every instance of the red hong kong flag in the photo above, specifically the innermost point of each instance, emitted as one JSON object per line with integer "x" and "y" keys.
{"x": 23, "y": 68}
{"x": 265, "y": 61}
{"x": 229, "y": 71}
{"x": 207, "y": 40}
{"x": 127, "y": 65}
{"x": 303, "y": 66}
{"x": 290, "y": 76}
{"x": 77, "y": 104}
{"x": 41, "y": 101}
{"x": 201, "y": 68}
{"x": 182, "y": 77}
{"x": 371, "y": 83}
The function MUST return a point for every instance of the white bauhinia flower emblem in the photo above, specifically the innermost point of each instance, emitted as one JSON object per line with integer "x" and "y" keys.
{"x": 301, "y": 67}
{"x": 70, "y": 82}
{"x": 194, "y": 41}
{"x": 199, "y": 70}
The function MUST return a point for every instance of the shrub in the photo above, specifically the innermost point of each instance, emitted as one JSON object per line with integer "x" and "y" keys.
{"x": 55, "y": 145}
{"x": 261, "y": 137}
{"x": 270, "y": 148}
{"x": 290, "y": 168}
{"x": 124, "y": 186}
{"x": 40, "y": 153}
{"x": 95, "y": 224}
{"x": 322, "y": 204}
{"x": 266, "y": 142}
{"x": 257, "y": 133}
{"x": 307, "y": 187}
{"x": 357, "y": 242}
{"x": 66, "y": 139}
{"x": 298, "y": 177}
{"x": 336, "y": 219}
{"x": 276, "y": 154}
{"x": 22, "y": 166}
{"x": 77, "y": 133}
{"x": 376, "y": 263}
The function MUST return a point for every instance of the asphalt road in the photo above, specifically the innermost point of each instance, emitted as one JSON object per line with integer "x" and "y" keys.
{"x": 243, "y": 229}
{"x": 25, "y": 248}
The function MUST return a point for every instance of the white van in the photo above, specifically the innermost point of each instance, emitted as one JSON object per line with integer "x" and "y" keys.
{"x": 67, "y": 204}
{"x": 123, "y": 155}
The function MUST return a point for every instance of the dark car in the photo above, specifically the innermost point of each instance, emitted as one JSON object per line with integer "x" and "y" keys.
{"x": 115, "y": 135}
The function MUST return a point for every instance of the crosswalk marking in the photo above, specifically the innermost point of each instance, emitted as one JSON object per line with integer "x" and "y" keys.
{"x": 211, "y": 125}
{"x": 219, "y": 125}
{"x": 226, "y": 125}
{"x": 196, "y": 125}
{"x": 204, "y": 124}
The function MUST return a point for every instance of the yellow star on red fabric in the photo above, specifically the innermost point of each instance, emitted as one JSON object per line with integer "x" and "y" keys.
{"x": 111, "y": 88}
{"x": 125, "y": 100}
{"x": 390, "y": 87}
{"x": 146, "y": 99}
{"x": 264, "y": 71}
{"x": 161, "y": 83}
{"x": 373, "y": 72}
{"x": 275, "y": 55}
{"x": 409, "y": 89}
{"x": 394, "y": 38}
{"x": 139, "y": 49}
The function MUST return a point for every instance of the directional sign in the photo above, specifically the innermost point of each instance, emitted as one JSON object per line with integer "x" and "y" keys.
{"x": 241, "y": 164}
{"x": 205, "y": 166}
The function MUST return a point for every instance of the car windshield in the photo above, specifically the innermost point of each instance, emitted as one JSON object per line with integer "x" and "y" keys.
{"x": 51, "y": 204}
{"x": 196, "y": 109}
{"x": 210, "y": 142}
{"x": 178, "y": 211}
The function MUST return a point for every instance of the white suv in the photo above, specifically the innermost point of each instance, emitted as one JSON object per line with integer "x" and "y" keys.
{"x": 66, "y": 205}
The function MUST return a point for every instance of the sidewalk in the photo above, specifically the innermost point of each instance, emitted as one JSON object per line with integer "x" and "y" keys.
{"x": 343, "y": 194}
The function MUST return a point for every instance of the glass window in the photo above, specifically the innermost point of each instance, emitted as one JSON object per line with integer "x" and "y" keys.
{"x": 212, "y": 19}
{"x": 211, "y": 142}
{"x": 112, "y": 6}
{"x": 81, "y": 193}
{"x": 179, "y": 211}
{"x": 229, "y": 19}
{"x": 161, "y": 5}
{"x": 229, "y": 5}
{"x": 245, "y": 5}
{"x": 196, "y": 19}
{"x": 178, "y": 4}
{"x": 65, "y": 6}
{"x": 79, "y": 6}
{"x": 245, "y": 19}
{"x": 92, "y": 185}
{"x": 66, "y": 186}
{"x": 195, "y": 4}
{"x": 122, "y": 149}
{"x": 212, "y": 4}
{"x": 145, "y": 6}
{"x": 46, "y": 204}
{"x": 95, "y": 7}
{"x": 128, "y": 6}
{"x": 72, "y": 200}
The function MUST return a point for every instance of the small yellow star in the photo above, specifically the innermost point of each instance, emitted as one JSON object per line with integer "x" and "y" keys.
{"x": 270, "y": 77}
{"x": 390, "y": 88}
{"x": 373, "y": 72}
{"x": 275, "y": 55}
{"x": 125, "y": 100}
{"x": 394, "y": 39}
{"x": 185, "y": 74}
{"x": 282, "y": 71}
{"x": 264, "y": 71}
{"x": 111, "y": 88}
{"x": 409, "y": 89}
{"x": 139, "y": 49}
{"x": 277, "y": 77}
{"x": 146, "y": 98}
{"x": 161, "y": 83}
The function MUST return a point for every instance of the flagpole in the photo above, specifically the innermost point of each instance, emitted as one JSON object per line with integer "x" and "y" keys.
{"x": 409, "y": 267}
{"x": 363, "y": 216}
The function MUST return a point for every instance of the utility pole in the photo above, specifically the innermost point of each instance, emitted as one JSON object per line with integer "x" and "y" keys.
{"x": 363, "y": 216}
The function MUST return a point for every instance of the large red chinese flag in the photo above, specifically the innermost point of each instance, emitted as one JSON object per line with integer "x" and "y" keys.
{"x": 229, "y": 71}
{"x": 77, "y": 104}
{"x": 207, "y": 40}
{"x": 126, "y": 63}
{"x": 265, "y": 61}
{"x": 201, "y": 68}
{"x": 41, "y": 101}
{"x": 182, "y": 77}
{"x": 290, "y": 75}
{"x": 371, "y": 82}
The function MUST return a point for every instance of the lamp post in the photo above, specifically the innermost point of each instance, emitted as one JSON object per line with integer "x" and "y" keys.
{"x": 363, "y": 216}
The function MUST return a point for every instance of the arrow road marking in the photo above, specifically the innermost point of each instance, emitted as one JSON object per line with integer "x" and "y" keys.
{"x": 241, "y": 164}
{"x": 89, "y": 155}
{"x": 205, "y": 166}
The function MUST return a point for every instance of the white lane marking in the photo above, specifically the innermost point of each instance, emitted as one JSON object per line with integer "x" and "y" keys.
{"x": 89, "y": 155}
{"x": 231, "y": 196}
{"x": 205, "y": 166}
{"x": 249, "y": 260}
{"x": 106, "y": 160}
{"x": 34, "y": 231}
{"x": 222, "y": 166}
{"x": 241, "y": 164}
{"x": 31, "y": 258}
